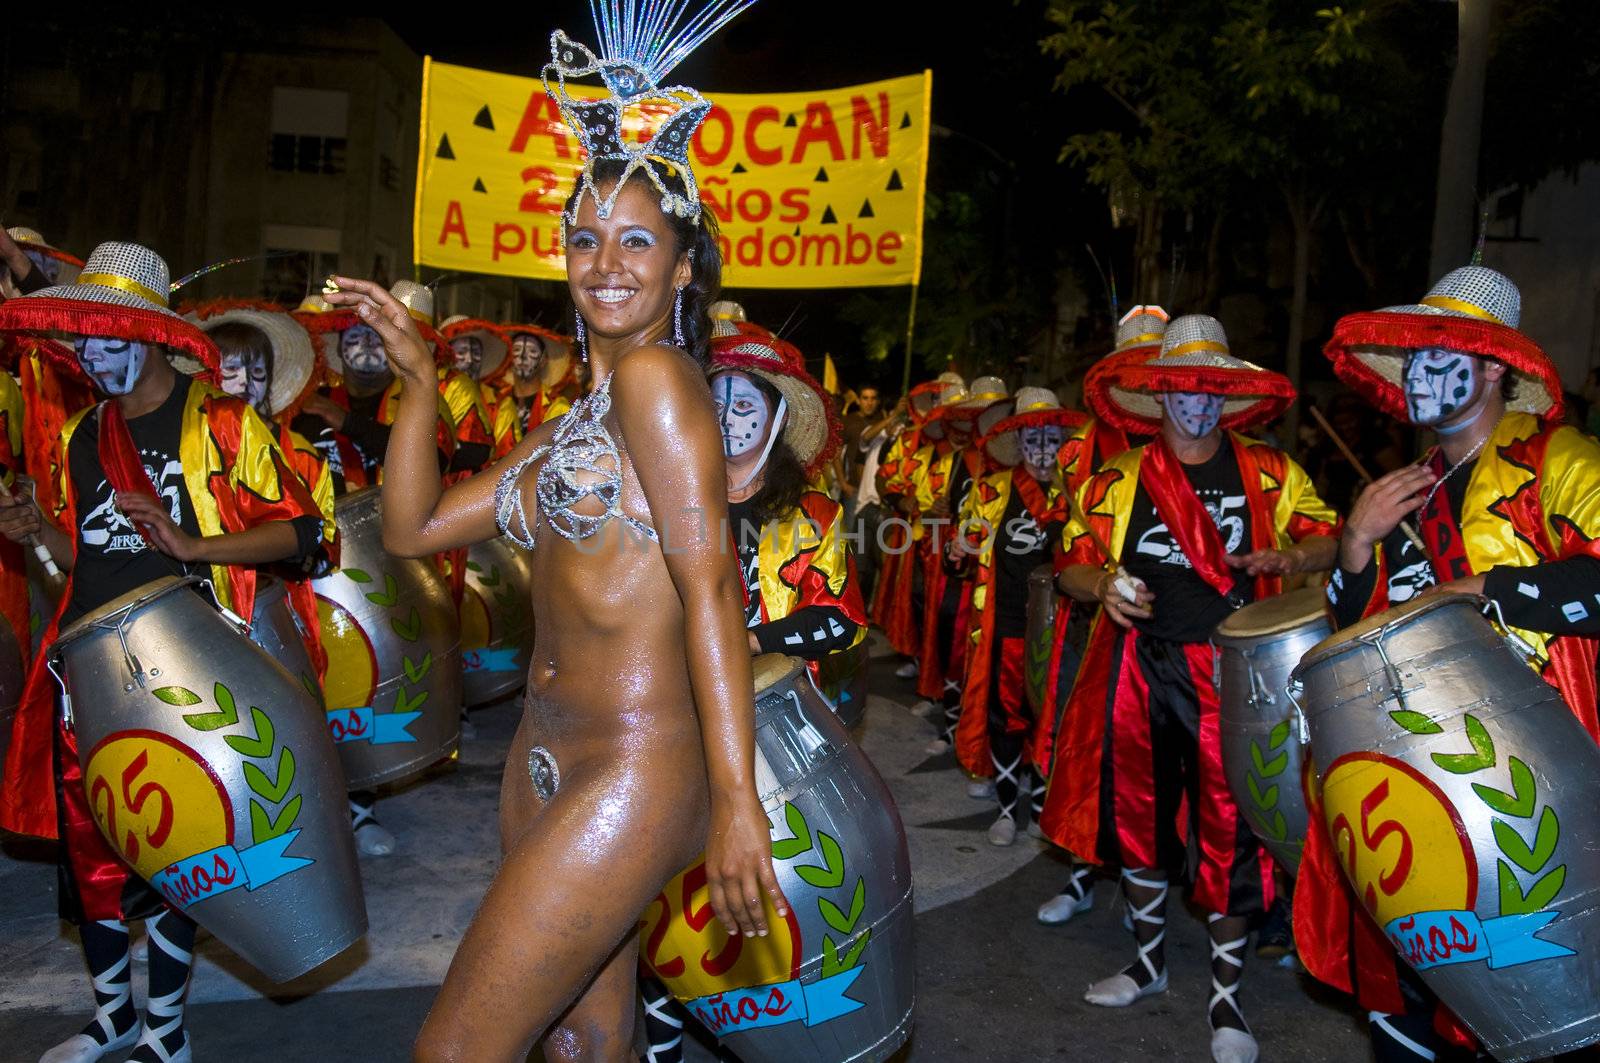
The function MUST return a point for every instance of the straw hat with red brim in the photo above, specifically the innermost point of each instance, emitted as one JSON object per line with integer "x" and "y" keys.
{"x": 122, "y": 293}
{"x": 29, "y": 240}
{"x": 1474, "y": 310}
{"x": 496, "y": 344}
{"x": 810, "y": 427}
{"x": 1194, "y": 358}
{"x": 986, "y": 403}
{"x": 928, "y": 395}
{"x": 416, "y": 298}
{"x": 295, "y": 369}
{"x": 1034, "y": 408}
{"x": 1139, "y": 336}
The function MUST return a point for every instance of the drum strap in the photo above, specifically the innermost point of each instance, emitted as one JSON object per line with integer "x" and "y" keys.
{"x": 119, "y": 458}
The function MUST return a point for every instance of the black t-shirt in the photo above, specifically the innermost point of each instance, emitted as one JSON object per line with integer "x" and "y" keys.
{"x": 112, "y": 557}
{"x": 1187, "y": 609}
{"x": 1020, "y": 546}
{"x": 322, "y": 436}
{"x": 747, "y": 538}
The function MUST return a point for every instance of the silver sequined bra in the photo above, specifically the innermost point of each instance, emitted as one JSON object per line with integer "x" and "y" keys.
{"x": 583, "y": 461}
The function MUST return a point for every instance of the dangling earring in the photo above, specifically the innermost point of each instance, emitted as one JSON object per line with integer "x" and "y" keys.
{"x": 583, "y": 340}
{"x": 677, "y": 321}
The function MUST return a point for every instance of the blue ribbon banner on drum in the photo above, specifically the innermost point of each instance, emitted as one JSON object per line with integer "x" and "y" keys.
{"x": 776, "y": 1005}
{"x": 361, "y": 724}
{"x": 504, "y": 660}
{"x": 224, "y": 868}
{"x": 1436, "y": 939}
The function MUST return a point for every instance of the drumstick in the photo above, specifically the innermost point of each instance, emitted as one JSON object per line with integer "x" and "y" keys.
{"x": 40, "y": 550}
{"x": 1361, "y": 470}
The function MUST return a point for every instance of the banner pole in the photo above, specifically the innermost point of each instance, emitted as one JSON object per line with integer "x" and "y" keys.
{"x": 911, "y": 328}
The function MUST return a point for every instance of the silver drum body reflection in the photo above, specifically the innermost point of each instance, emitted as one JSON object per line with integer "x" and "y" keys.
{"x": 835, "y": 980}
{"x": 843, "y": 678}
{"x": 208, "y": 769}
{"x": 393, "y": 688}
{"x": 275, "y": 627}
{"x": 496, "y": 620}
{"x": 1263, "y": 740}
{"x": 1459, "y": 793}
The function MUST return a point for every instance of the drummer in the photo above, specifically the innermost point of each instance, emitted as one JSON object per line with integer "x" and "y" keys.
{"x": 1006, "y": 526}
{"x": 169, "y": 476}
{"x": 525, "y": 388}
{"x": 1457, "y": 364}
{"x": 483, "y": 353}
{"x": 801, "y": 594}
{"x": 1085, "y": 453}
{"x": 1205, "y": 520}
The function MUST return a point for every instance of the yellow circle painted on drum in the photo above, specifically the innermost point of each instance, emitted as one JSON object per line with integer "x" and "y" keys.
{"x": 685, "y": 944}
{"x": 475, "y": 626}
{"x": 1272, "y": 616}
{"x": 1398, "y": 837}
{"x": 155, "y": 799}
{"x": 352, "y": 664}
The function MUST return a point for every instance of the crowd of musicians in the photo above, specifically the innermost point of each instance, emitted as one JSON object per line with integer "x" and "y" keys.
{"x": 140, "y": 440}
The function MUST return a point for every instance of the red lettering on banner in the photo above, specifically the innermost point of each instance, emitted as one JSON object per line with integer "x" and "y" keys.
{"x": 763, "y": 204}
{"x": 724, "y": 209}
{"x": 795, "y": 208}
{"x": 759, "y": 155}
{"x": 541, "y": 117}
{"x": 854, "y": 240}
{"x": 813, "y": 242}
{"x": 782, "y": 251}
{"x": 1437, "y": 947}
{"x": 719, "y": 1015}
{"x": 876, "y": 126}
{"x": 538, "y": 200}
{"x": 454, "y": 222}
{"x": 886, "y": 243}
{"x": 504, "y": 247}
{"x": 539, "y": 250}
{"x": 718, "y": 116}
{"x": 814, "y": 250}
{"x": 349, "y": 726}
{"x": 818, "y": 127}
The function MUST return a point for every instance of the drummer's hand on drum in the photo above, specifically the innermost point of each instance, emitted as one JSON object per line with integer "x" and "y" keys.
{"x": 19, "y": 515}
{"x": 1267, "y": 562}
{"x": 1383, "y": 504}
{"x": 1119, "y": 608}
{"x": 739, "y": 866}
{"x": 1464, "y": 585}
{"x": 409, "y": 354}
{"x": 155, "y": 520}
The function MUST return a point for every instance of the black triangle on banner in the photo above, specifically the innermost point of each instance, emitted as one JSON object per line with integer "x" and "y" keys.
{"x": 444, "y": 151}
{"x": 905, "y": 120}
{"x": 822, "y": 174}
{"x": 866, "y": 210}
{"x": 738, "y": 167}
{"x": 485, "y": 120}
{"x": 789, "y": 122}
{"x": 477, "y": 186}
{"x": 797, "y": 230}
{"x": 894, "y": 182}
{"x": 828, "y": 218}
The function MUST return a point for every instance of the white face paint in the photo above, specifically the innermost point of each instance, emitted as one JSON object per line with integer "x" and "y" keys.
{"x": 49, "y": 267}
{"x": 114, "y": 365}
{"x": 1439, "y": 384}
{"x": 743, "y": 412}
{"x": 1195, "y": 413}
{"x": 527, "y": 351}
{"x": 361, "y": 350}
{"x": 1039, "y": 446}
{"x": 469, "y": 354}
{"x": 245, "y": 376}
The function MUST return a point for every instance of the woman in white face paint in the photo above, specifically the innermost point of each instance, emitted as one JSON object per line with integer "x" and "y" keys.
{"x": 1207, "y": 520}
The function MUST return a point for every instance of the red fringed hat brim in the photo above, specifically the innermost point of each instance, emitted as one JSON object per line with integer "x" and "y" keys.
{"x": 935, "y": 388}
{"x": 1093, "y": 381}
{"x": 211, "y": 308}
{"x": 83, "y": 318}
{"x": 337, "y": 321}
{"x": 1002, "y": 443}
{"x": 1253, "y": 396}
{"x": 490, "y": 377}
{"x": 1369, "y": 350}
{"x": 799, "y": 388}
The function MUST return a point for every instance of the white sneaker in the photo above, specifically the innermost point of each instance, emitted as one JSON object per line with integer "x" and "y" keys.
{"x": 906, "y": 671}
{"x": 926, "y": 708}
{"x": 81, "y": 1048}
{"x": 1120, "y": 990}
{"x": 374, "y": 839}
{"x": 140, "y": 949}
{"x": 1233, "y": 1046}
{"x": 937, "y": 746}
{"x": 1003, "y": 831}
{"x": 980, "y": 789}
{"x": 1063, "y": 906}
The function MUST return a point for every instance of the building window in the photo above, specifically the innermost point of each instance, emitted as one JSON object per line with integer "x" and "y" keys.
{"x": 309, "y": 128}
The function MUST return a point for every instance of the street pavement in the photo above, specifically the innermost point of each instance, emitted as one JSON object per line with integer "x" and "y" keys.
{"x": 992, "y": 984}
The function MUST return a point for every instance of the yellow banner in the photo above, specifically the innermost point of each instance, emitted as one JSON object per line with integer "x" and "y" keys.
{"x": 811, "y": 189}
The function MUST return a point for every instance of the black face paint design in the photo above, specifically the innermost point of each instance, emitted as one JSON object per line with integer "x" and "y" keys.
{"x": 1438, "y": 383}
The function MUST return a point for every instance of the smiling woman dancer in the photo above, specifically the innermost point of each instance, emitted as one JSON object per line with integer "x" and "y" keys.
{"x": 636, "y": 747}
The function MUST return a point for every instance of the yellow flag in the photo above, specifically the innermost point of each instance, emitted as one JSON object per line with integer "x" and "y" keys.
{"x": 830, "y": 375}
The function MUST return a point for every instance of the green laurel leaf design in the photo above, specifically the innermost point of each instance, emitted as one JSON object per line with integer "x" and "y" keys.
{"x": 1482, "y": 755}
{"x": 1523, "y": 794}
{"x": 227, "y": 713}
{"x": 1518, "y": 851}
{"x": 402, "y": 703}
{"x": 800, "y": 842}
{"x": 1514, "y": 902}
{"x": 1268, "y": 768}
{"x": 264, "y": 826}
{"x": 178, "y": 696}
{"x": 1415, "y": 722}
{"x": 260, "y": 746}
{"x": 836, "y": 918}
{"x": 1265, "y": 801}
{"x": 271, "y": 791}
{"x": 357, "y": 575}
{"x": 1279, "y": 735}
{"x": 417, "y": 672}
{"x": 831, "y": 872}
{"x": 410, "y": 628}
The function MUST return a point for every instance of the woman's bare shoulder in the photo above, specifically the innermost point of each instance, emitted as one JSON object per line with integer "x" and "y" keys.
{"x": 657, "y": 376}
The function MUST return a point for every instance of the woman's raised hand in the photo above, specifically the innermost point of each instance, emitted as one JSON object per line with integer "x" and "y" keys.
{"x": 409, "y": 354}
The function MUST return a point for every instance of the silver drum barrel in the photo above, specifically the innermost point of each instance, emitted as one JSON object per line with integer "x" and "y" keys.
{"x": 496, "y": 620}
{"x": 835, "y": 980}
{"x": 1040, "y": 636}
{"x": 1263, "y": 749}
{"x": 1459, "y": 794}
{"x": 393, "y": 688}
{"x": 275, "y": 627}
{"x": 208, "y": 769}
{"x": 843, "y": 675}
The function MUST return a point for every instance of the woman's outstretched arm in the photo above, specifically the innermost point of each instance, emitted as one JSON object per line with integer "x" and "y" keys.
{"x": 664, "y": 410}
{"x": 421, "y": 516}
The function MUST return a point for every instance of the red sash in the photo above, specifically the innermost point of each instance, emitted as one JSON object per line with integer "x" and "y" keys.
{"x": 1033, "y": 498}
{"x": 120, "y": 459}
{"x": 1440, "y": 532}
{"x": 1180, "y": 509}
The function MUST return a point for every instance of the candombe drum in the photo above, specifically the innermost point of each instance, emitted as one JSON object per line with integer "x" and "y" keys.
{"x": 1263, "y": 747}
{"x": 496, "y": 620}
{"x": 1459, "y": 794}
{"x": 1040, "y": 635}
{"x": 393, "y": 688}
{"x": 275, "y": 627}
{"x": 208, "y": 769}
{"x": 834, "y": 980}
{"x": 842, "y": 677}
